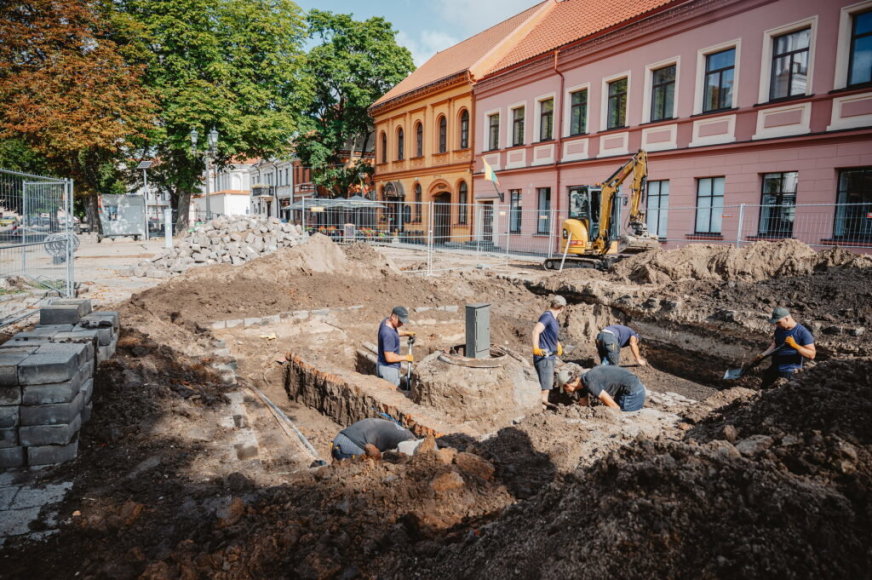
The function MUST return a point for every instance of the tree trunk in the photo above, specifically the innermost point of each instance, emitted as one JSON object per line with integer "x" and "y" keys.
{"x": 183, "y": 206}
{"x": 92, "y": 214}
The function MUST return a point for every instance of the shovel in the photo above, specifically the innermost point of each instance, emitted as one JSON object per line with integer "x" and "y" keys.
{"x": 406, "y": 381}
{"x": 733, "y": 374}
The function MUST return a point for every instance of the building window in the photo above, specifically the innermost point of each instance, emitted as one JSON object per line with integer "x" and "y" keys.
{"x": 854, "y": 206}
{"x": 860, "y": 63}
{"x": 778, "y": 204}
{"x": 789, "y": 64}
{"x": 400, "y": 144}
{"x": 419, "y": 140}
{"x": 419, "y": 199}
{"x": 464, "y": 129}
{"x": 462, "y": 200}
{"x": 493, "y": 127}
{"x": 515, "y": 211}
{"x": 443, "y": 134}
{"x": 657, "y": 207}
{"x": 578, "y": 112}
{"x": 546, "y": 120}
{"x": 517, "y": 126}
{"x": 617, "y": 114}
{"x": 543, "y": 223}
{"x": 720, "y": 67}
{"x": 384, "y": 147}
{"x": 709, "y": 204}
{"x": 662, "y": 93}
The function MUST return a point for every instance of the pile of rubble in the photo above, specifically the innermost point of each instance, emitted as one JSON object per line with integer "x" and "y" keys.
{"x": 225, "y": 240}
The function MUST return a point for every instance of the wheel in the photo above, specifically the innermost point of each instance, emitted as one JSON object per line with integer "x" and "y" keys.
{"x": 99, "y": 238}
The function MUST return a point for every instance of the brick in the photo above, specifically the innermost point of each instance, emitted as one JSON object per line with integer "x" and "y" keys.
{"x": 10, "y": 395}
{"x": 52, "y": 393}
{"x": 36, "y": 435}
{"x": 9, "y": 416}
{"x": 49, "y": 367}
{"x": 59, "y": 314}
{"x": 9, "y": 360}
{"x": 51, "y": 454}
{"x": 57, "y": 414}
{"x": 84, "y": 304}
{"x": 12, "y": 457}
{"x": 8, "y": 438}
{"x": 87, "y": 391}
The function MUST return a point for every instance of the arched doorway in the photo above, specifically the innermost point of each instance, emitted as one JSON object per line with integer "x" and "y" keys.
{"x": 396, "y": 214}
{"x": 442, "y": 218}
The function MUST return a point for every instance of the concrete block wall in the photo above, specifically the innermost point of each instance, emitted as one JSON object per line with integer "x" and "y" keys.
{"x": 47, "y": 382}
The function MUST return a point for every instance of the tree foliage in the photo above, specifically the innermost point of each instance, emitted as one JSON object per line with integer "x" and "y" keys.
{"x": 355, "y": 63}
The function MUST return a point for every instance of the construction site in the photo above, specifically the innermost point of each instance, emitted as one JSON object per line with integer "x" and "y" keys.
{"x": 207, "y": 453}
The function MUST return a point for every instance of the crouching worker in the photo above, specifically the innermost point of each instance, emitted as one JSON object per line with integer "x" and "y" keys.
{"x": 615, "y": 387}
{"x": 370, "y": 437}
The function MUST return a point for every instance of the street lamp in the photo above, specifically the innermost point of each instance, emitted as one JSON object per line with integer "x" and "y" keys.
{"x": 208, "y": 155}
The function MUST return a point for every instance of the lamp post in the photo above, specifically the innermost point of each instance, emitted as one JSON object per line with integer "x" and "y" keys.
{"x": 208, "y": 154}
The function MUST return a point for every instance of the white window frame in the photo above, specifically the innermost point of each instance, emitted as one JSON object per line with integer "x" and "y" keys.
{"x": 766, "y": 54}
{"x": 485, "y": 141}
{"x": 510, "y": 124}
{"x": 649, "y": 85}
{"x": 604, "y": 103}
{"x": 538, "y": 121}
{"x": 567, "y": 111}
{"x": 701, "y": 56}
{"x": 843, "y": 52}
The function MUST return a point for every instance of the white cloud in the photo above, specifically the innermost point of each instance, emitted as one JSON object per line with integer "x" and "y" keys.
{"x": 473, "y": 16}
{"x": 428, "y": 43}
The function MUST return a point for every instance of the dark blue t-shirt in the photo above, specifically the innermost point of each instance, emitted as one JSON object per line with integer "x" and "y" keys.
{"x": 382, "y": 433}
{"x": 786, "y": 358}
{"x": 613, "y": 380}
{"x": 388, "y": 341}
{"x": 548, "y": 339}
{"x": 623, "y": 333}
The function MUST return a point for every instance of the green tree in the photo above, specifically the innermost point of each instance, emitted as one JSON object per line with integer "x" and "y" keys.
{"x": 355, "y": 63}
{"x": 232, "y": 65}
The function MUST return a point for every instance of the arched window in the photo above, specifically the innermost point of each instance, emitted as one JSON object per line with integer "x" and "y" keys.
{"x": 418, "y": 202}
{"x": 401, "y": 144}
{"x": 443, "y": 134}
{"x": 419, "y": 140}
{"x": 464, "y": 129}
{"x": 384, "y": 147}
{"x": 462, "y": 200}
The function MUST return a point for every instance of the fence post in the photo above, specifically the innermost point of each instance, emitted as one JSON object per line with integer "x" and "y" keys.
{"x": 740, "y": 225}
{"x": 508, "y": 229}
{"x": 551, "y": 233}
{"x": 68, "y": 210}
{"x": 430, "y": 240}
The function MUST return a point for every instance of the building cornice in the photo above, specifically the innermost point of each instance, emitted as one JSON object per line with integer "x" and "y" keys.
{"x": 455, "y": 79}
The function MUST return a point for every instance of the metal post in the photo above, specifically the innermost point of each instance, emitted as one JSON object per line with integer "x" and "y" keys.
{"x": 145, "y": 197}
{"x": 430, "y": 241}
{"x": 508, "y": 229}
{"x": 24, "y": 214}
{"x": 551, "y": 233}
{"x": 304, "y": 213}
{"x": 168, "y": 227}
{"x": 208, "y": 202}
{"x": 68, "y": 209}
{"x": 740, "y": 225}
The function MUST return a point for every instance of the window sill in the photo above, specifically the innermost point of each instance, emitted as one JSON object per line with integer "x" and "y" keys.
{"x": 712, "y": 237}
{"x": 461, "y": 150}
{"x": 551, "y": 140}
{"x": 573, "y": 136}
{"x": 416, "y": 157}
{"x": 782, "y": 101}
{"x": 852, "y": 89}
{"x": 713, "y": 113}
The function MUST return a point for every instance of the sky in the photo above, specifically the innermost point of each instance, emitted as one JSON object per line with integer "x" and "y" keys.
{"x": 427, "y": 26}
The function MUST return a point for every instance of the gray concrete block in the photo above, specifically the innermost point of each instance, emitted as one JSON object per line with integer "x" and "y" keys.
{"x": 44, "y": 368}
{"x": 52, "y": 393}
{"x": 85, "y": 351}
{"x": 84, "y": 304}
{"x": 12, "y": 457}
{"x": 51, "y": 454}
{"x": 219, "y": 325}
{"x": 9, "y": 416}
{"x": 57, "y": 414}
{"x": 79, "y": 334}
{"x": 9, "y": 360}
{"x": 252, "y": 321}
{"x": 59, "y": 314}
{"x": 106, "y": 352}
{"x": 99, "y": 317}
{"x": 44, "y": 331}
{"x": 8, "y": 438}
{"x": 233, "y": 323}
{"x": 36, "y": 435}
{"x": 10, "y": 395}
{"x": 86, "y": 412}
{"x": 87, "y": 391}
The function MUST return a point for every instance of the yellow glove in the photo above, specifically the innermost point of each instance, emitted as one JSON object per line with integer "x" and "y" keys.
{"x": 791, "y": 342}
{"x": 538, "y": 351}
{"x": 409, "y": 332}
{"x": 410, "y": 357}
{"x": 559, "y": 349}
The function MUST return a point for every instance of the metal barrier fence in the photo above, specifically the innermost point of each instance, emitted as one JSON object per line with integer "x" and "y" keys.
{"x": 517, "y": 232}
{"x": 37, "y": 236}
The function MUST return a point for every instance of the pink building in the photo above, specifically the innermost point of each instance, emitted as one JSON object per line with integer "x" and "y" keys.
{"x": 756, "y": 114}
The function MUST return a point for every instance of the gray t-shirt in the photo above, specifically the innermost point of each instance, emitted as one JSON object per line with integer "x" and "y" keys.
{"x": 611, "y": 379}
{"x": 382, "y": 433}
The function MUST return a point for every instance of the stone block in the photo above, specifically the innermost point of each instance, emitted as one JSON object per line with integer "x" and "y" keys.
{"x": 9, "y": 361}
{"x": 42, "y": 332}
{"x": 62, "y": 434}
{"x": 8, "y": 437}
{"x": 106, "y": 352}
{"x": 87, "y": 391}
{"x": 83, "y": 352}
{"x": 84, "y": 304}
{"x": 57, "y": 414}
{"x": 100, "y": 336}
{"x": 86, "y": 412}
{"x": 60, "y": 314}
{"x": 9, "y": 416}
{"x": 12, "y": 457}
{"x": 252, "y": 322}
{"x": 99, "y": 318}
{"x": 51, "y": 454}
{"x": 10, "y": 395}
{"x": 219, "y": 325}
{"x": 233, "y": 323}
{"x": 52, "y": 393}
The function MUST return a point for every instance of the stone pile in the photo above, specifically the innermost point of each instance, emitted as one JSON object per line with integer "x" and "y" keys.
{"x": 47, "y": 380}
{"x": 225, "y": 240}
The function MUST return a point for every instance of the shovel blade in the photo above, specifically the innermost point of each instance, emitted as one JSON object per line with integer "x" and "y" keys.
{"x": 732, "y": 374}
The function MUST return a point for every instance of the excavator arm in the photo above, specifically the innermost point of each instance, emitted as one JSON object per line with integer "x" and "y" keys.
{"x": 637, "y": 166}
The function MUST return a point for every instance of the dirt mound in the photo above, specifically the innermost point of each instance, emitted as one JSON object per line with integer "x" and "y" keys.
{"x": 757, "y": 261}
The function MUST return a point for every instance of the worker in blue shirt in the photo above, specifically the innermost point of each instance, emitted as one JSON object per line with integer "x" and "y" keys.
{"x": 546, "y": 345}
{"x": 791, "y": 344}
{"x": 612, "y": 339}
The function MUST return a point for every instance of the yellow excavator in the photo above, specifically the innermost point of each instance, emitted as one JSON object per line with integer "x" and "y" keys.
{"x": 591, "y": 234}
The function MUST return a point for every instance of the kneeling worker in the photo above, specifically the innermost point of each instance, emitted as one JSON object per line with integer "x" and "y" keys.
{"x": 616, "y": 387}
{"x": 389, "y": 357}
{"x": 612, "y": 339}
{"x": 369, "y": 437}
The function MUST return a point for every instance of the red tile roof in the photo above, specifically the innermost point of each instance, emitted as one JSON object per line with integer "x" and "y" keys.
{"x": 572, "y": 20}
{"x": 464, "y": 55}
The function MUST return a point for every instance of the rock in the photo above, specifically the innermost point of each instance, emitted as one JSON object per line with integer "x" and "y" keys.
{"x": 447, "y": 482}
{"x": 475, "y": 465}
{"x": 754, "y": 445}
{"x": 729, "y": 433}
{"x": 446, "y": 455}
{"x": 428, "y": 445}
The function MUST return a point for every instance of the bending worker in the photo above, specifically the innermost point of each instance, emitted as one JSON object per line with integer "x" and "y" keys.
{"x": 791, "y": 344}
{"x": 389, "y": 357}
{"x": 615, "y": 387}
{"x": 612, "y": 339}
{"x": 546, "y": 345}
{"x": 369, "y": 437}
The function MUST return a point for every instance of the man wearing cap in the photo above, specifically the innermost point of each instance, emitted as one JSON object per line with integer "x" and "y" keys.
{"x": 613, "y": 386}
{"x": 389, "y": 357}
{"x": 546, "y": 345}
{"x": 791, "y": 344}
{"x": 612, "y": 339}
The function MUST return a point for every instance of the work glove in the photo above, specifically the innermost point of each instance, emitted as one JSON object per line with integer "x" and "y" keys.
{"x": 410, "y": 333}
{"x": 410, "y": 357}
{"x": 538, "y": 351}
{"x": 559, "y": 349}
{"x": 791, "y": 342}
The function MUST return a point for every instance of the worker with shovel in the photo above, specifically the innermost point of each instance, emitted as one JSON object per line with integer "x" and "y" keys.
{"x": 791, "y": 344}
{"x": 389, "y": 357}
